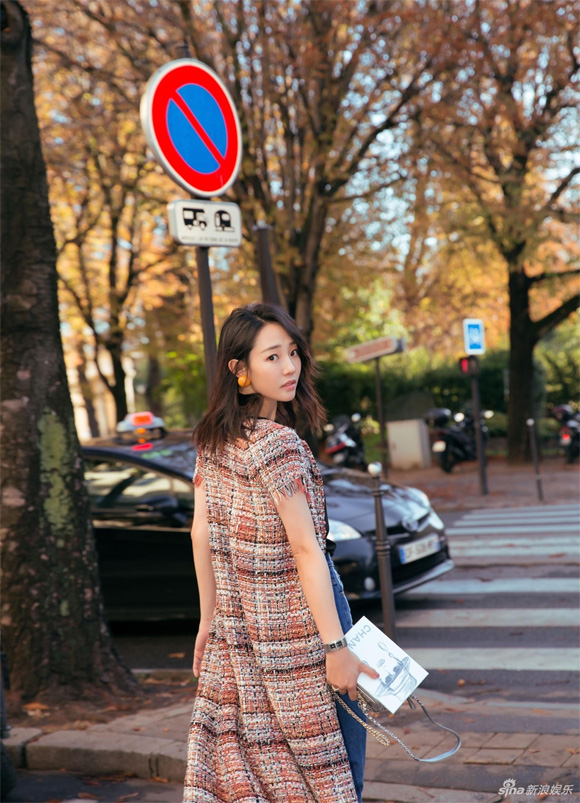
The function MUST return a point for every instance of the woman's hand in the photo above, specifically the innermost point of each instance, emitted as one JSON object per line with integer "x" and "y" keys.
{"x": 199, "y": 649}
{"x": 343, "y": 669}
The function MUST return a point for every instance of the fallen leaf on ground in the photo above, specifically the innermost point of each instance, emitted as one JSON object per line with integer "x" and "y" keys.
{"x": 117, "y": 777}
{"x": 571, "y": 750}
{"x": 177, "y": 655}
{"x": 88, "y": 796}
{"x": 159, "y": 779}
{"x": 36, "y": 707}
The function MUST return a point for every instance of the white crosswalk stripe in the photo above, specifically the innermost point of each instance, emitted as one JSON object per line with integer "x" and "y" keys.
{"x": 520, "y": 536}
{"x": 528, "y": 537}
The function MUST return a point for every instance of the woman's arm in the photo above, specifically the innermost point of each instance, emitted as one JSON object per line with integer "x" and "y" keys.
{"x": 342, "y": 667}
{"x": 204, "y": 573}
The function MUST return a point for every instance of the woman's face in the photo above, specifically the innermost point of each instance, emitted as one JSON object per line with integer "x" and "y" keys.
{"x": 273, "y": 368}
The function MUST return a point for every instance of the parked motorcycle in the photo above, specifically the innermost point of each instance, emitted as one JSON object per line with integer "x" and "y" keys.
{"x": 344, "y": 443}
{"x": 455, "y": 443}
{"x": 569, "y": 434}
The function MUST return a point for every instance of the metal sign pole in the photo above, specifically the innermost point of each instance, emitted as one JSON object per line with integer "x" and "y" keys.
{"x": 534, "y": 447}
{"x": 478, "y": 434}
{"x": 381, "y": 414}
{"x": 207, "y": 316}
{"x": 383, "y": 556}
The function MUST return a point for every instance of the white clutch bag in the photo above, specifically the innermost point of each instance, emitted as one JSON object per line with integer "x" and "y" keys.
{"x": 399, "y": 676}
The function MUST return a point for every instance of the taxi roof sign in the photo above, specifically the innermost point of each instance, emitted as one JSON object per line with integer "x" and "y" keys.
{"x": 144, "y": 420}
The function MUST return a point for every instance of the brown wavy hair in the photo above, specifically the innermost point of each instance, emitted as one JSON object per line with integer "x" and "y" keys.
{"x": 230, "y": 414}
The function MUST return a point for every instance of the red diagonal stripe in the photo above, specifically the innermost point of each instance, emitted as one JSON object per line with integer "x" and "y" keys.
{"x": 200, "y": 131}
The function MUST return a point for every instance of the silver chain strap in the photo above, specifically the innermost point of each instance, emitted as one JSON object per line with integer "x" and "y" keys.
{"x": 378, "y": 729}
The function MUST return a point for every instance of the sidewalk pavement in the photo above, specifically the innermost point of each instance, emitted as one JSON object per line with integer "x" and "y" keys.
{"x": 537, "y": 749}
{"x": 508, "y": 486}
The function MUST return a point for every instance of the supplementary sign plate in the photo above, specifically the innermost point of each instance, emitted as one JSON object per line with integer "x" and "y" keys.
{"x": 205, "y": 223}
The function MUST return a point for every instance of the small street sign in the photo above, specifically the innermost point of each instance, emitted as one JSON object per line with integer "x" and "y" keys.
{"x": 474, "y": 336}
{"x": 191, "y": 125}
{"x": 205, "y": 223}
{"x": 373, "y": 349}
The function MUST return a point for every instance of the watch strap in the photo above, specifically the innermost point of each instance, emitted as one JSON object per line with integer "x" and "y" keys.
{"x": 334, "y": 646}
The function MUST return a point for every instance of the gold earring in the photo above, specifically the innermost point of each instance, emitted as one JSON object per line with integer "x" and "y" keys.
{"x": 244, "y": 381}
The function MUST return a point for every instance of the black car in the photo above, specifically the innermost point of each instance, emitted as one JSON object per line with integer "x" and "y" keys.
{"x": 141, "y": 492}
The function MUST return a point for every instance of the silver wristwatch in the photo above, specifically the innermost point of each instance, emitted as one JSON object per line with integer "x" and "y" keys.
{"x": 335, "y": 645}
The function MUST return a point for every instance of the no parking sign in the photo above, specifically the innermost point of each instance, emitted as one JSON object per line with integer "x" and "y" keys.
{"x": 191, "y": 125}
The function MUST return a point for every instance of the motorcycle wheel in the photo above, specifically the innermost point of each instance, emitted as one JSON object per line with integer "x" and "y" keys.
{"x": 446, "y": 462}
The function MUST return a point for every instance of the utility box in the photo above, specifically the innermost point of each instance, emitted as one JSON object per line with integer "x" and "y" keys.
{"x": 409, "y": 445}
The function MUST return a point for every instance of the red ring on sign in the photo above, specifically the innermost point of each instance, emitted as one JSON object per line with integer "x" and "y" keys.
{"x": 166, "y": 91}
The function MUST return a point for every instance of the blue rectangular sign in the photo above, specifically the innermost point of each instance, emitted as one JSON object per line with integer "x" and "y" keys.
{"x": 474, "y": 336}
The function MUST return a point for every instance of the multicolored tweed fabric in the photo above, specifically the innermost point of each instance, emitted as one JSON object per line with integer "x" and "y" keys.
{"x": 264, "y": 726}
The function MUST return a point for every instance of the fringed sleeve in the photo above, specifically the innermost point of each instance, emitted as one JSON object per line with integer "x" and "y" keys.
{"x": 280, "y": 463}
{"x": 199, "y": 471}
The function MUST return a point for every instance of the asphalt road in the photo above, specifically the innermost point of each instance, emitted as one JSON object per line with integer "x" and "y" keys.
{"x": 62, "y": 787}
{"x": 503, "y": 623}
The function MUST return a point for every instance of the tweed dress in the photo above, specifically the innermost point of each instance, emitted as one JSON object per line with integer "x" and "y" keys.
{"x": 264, "y": 727}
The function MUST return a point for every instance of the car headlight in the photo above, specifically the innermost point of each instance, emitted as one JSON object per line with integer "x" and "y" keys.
{"x": 339, "y": 531}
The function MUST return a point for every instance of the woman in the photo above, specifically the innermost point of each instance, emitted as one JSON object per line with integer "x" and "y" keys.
{"x": 265, "y": 726}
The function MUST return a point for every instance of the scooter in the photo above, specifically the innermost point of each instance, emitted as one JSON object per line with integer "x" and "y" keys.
{"x": 569, "y": 434}
{"x": 455, "y": 443}
{"x": 344, "y": 442}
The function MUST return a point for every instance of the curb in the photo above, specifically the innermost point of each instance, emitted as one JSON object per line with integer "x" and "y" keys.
{"x": 98, "y": 753}
{"x": 118, "y": 747}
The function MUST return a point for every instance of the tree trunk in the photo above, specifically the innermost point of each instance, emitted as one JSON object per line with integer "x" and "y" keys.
{"x": 53, "y": 628}
{"x": 87, "y": 393}
{"x": 301, "y": 302}
{"x": 153, "y": 389}
{"x": 521, "y": 368}
{"x": 115, "y": 349}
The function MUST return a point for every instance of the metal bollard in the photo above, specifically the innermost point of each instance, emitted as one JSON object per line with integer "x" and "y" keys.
{"x": 534, "y": 447}
{"x": 383, "y": 555}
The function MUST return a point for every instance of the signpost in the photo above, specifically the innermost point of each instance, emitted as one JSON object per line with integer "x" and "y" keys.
{"x": 374, "y": 350}
{"x": 191, "y": 125}
{"x": 474, "y": 342}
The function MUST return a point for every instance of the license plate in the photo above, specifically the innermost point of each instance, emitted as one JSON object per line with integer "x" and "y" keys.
{"x": 419, "y": 549}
